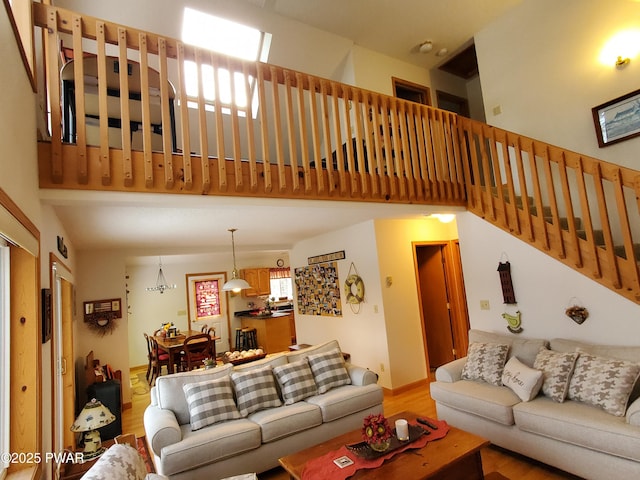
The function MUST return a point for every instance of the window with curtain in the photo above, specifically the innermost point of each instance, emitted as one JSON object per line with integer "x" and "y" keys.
{"x": 281, "y": 284}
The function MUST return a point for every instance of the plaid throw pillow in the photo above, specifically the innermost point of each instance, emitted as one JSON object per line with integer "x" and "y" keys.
{"x": 603, "y": 382}
{"x": 485, "y": 362}
{"x": 210, "y": 402}
{"x": 296, "y": 381}
{"x": 255, "y": 390}
{"x": 329, "y": 370}
{"x": 556, "y": 369}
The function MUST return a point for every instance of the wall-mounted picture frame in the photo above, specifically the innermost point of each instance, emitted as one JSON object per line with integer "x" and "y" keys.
{"x": 617, "y": 120}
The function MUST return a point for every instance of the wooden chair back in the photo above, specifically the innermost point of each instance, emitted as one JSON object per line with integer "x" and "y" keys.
{"x": 195, "y": 349}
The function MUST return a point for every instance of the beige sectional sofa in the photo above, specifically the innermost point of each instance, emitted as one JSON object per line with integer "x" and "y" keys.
{"x": 584, "y": 420}
{"x": 198, "y": 429}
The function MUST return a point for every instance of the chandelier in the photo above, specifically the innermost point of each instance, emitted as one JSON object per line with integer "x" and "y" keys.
{"x": 161, "y": 282}
{"x": 236, "y": 283}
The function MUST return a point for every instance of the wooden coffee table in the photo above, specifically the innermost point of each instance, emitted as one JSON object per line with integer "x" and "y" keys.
{"x": 455, "y": 456}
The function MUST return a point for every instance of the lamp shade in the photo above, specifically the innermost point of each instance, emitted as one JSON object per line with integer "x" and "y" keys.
{"x": 94, "y": 415}
{"x": 235, "y": 285}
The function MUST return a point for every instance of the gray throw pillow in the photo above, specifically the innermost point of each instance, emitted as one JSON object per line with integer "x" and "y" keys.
{"x": 255, "y": 390}
{"x": 210, "y": 402}
{"x": 485, "y": 362}
{"x": 557, "y": 368}
{"x": 296, "y": 381}
{"x": 329, "y": 370}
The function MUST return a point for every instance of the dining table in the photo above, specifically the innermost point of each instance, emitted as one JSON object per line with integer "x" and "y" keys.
{"x": 173, "y": 345}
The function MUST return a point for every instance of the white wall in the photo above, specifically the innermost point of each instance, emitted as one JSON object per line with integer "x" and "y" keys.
{"x": 543, "y": 287}
{"x": 539, "y": 63}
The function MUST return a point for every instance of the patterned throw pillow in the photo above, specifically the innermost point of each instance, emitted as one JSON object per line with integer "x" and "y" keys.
{"x": 603, "y": 382}
{"x": 329, "y": 370}
{"x": 255, "y": 390}
{"x": 485, "y": 362}
{"x": 296, "y": 381}
{"x": 210, "y": 402}
{"x": 556, "y": 368}
{"x": 524, "y": 381}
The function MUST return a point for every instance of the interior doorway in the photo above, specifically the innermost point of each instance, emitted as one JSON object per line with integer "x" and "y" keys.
{"x": 443, "y": 306}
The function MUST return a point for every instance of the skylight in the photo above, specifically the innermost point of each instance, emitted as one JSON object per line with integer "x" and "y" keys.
{"x": 229, "y": 38}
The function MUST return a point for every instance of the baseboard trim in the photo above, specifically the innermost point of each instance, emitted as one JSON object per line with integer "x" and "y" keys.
{"x": 404, "y": 388}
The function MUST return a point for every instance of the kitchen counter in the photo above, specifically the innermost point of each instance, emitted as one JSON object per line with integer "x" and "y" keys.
{"x": 275, "y": 331}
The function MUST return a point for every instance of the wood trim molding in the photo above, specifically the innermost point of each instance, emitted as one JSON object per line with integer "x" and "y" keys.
{"x": 14, "y": 209}
{"x": 23, "y": 54}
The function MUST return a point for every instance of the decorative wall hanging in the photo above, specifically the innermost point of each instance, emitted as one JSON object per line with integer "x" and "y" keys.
{"x": 504, "y": 269}
{"x": 99, "y": 315}
{"x": 46, "y": 315}
{"x": 577, "y": 312}
{"x": 514, "y": 322}
{"x": 617, "y": 120}
{"x": 354, "y": 289}
{"x": 327, "y": 257}
{"x": 318, "y": 290}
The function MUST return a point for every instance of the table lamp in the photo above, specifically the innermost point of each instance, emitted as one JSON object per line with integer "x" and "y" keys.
{"x": 94, "y": 415}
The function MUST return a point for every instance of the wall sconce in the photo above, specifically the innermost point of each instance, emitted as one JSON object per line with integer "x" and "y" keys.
{"x": 444, "y": 217}
{"x": 622, "y": 62}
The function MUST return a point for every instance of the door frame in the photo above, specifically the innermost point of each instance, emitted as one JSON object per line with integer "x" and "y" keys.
{"x": 58, "y": 270}
{"x": 459, "y": 313}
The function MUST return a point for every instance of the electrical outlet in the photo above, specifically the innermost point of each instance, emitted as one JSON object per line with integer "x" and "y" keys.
{"x": 375, "y": 309}
{"x": 382, "y": 367}
{"x": 484, "y": 305}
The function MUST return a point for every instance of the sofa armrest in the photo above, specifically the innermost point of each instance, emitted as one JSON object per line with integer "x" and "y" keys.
{"x": 361, "y": 376}
{"x": 633, "y": 413}
{"x": 452, "y": 371}
{"x": 153, "y": 395}
{"x": 161, "y": 428}
{"x": 119, "y": 461}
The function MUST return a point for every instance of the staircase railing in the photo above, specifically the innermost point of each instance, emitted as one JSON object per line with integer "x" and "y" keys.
{"x": 283, "y": 133}
{"x": 583, "y": 211}
{"x": 278, "y": 132}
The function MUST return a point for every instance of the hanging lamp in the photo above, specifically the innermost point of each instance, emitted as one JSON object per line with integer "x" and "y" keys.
{"x": 161, "y": 282}
{"x": 236, "y": 283}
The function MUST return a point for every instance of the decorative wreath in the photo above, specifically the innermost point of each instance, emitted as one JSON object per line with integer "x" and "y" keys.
{"x": 577, "y": 313}
{"x": 101, "y": 323}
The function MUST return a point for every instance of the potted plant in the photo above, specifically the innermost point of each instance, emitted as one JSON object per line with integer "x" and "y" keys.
{"x": 209, "y": 363}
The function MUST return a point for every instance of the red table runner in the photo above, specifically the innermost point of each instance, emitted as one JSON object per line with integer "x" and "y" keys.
{"x": 323, "y": 468}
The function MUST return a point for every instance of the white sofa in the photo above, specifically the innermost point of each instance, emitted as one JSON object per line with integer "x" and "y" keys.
{"x": 255, "y": 441}
{"x": 576, "y": 435}
{"x": 120, "y": 462}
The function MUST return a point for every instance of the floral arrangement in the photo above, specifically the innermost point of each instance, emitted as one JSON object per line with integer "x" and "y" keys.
{"x": 209, "y": 362}
{"x": 376, "y": 429}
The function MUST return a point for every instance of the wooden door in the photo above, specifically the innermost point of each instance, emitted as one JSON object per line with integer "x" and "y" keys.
{"x": 434, "y": 299}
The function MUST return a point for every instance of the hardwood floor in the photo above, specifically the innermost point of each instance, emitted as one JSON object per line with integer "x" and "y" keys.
{"x": 494, "y": 459}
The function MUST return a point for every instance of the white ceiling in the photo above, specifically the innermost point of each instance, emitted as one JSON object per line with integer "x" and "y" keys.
{"x": 396, "y": 27}
{"x": 150, "y": 224}
{"x": 166, "y": 224}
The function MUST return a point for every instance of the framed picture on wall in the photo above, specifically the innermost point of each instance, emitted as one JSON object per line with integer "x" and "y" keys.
{"x": 46, "y": 315}
{"x": 618, "y": 119}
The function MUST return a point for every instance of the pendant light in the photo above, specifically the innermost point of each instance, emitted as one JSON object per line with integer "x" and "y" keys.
{"x": 236, "y": 283}
{"x": 161, "y": 282}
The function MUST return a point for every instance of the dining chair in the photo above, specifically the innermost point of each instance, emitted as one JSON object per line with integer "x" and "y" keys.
{"x": 211, "y": 331}
{"x": 204, "y": 328}
{"x": 195, "y": 349}
{"x": 149, "y": 354}
{"x": 158, "y": 360}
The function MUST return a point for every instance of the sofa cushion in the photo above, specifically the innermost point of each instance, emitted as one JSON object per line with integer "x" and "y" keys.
{"x": 276, "y": 423}
{"x": 345, "y": 400}
{"x": 210, "y": 402}
{"x": 485, "y": 362}
{"x": 579, "y": 424}
{"x": 296, "y": 381}
{"x": 524, "y": 349}
{"x": 556, "y": 368}
{"x": 524, "y": 381}
{"x": 329, "y": 370}
{"x": 603, "y": 382}
{"x": 169, "y": 391}
{"x": 477, "y": 398}
{"x": 210, "y": 444}
{"x": 255, "y": 390}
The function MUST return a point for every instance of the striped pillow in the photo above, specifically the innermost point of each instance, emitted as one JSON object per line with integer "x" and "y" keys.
{"x": 210, "y": 402}
{"x": 255, "y": 390}
{"x": 329, "y": 370}
{"x": 296, "y": 381}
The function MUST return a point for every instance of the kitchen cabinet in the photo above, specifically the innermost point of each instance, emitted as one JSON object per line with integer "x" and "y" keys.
{"x": 259, "y": 279}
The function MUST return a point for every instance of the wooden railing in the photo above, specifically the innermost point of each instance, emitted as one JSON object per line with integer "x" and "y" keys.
{"x": 296, "y": 136}
{"x": 283, "y": 133}
{"x": 582, "y": 211}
